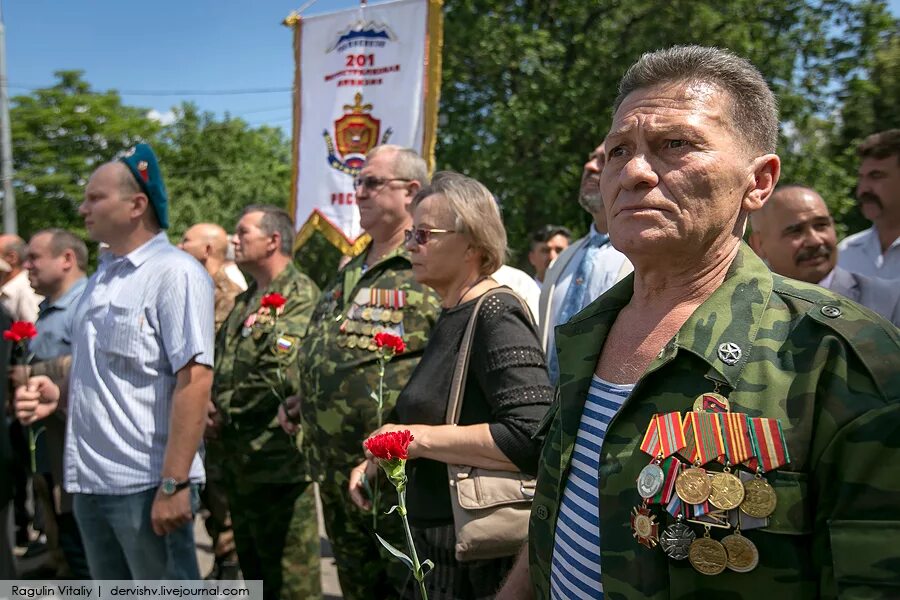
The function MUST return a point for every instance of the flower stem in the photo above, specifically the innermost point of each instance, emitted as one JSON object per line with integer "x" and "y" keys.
{"x": 32, "y": 448}
{"x": 420, "y": 577}
{"x": 379, "y": 405}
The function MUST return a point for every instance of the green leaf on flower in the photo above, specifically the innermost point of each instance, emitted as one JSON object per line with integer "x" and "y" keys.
{"x": 399, "y": 555}
{"x": 392, "y": 509}
{"x": 427, "y": 567}
{"x": 373, "y": 395}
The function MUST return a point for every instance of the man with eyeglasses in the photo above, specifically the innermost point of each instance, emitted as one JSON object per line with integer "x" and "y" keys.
{"x": 339, "y": 369}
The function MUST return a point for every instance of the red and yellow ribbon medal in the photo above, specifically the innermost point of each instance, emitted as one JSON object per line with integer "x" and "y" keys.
{"x": 655, "y": 483}
{"x": 767, "y": 439}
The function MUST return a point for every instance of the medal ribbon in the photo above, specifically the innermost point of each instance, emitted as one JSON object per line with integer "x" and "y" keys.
{"x": 671, "y": 434}
{"x": 768, "y": 439}
{"x": 736, "y": 430}
{"x": 650, "y": 443}
{"x": 708, "y": 431}
{"x": 671, "y": 468}
{"x": 689, "y": 453}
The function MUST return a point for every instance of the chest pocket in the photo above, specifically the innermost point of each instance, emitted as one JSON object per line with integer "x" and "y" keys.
{"x": 123, "y": 331}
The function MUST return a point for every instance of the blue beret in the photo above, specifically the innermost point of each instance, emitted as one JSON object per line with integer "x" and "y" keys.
{"x": 143, "y": 165}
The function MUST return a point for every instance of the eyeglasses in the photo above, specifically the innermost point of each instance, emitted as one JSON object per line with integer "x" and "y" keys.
{"x": 422, "y": 235}
{"x": 373, "y": 183}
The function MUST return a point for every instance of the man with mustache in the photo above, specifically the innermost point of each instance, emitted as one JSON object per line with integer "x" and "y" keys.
{"x": 794, "y": 233}
{"x": 876, "y": 251}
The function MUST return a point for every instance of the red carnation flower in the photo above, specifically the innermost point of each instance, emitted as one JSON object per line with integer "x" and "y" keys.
{"x": 393, "y": 445}
{"x": 20, "y": 331}
{"x": 390, "y": 341}
{"x": 274, "y": 300}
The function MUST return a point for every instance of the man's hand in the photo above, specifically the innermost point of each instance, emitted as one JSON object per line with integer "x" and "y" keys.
{"x": 289, "y": 415}
{"x": 37, "y": 400}
{"x": 171, "y": 512}
{"x": 359, "y": 484}
{"x": 18, "y": 375}
{"x": 213, "y": 421}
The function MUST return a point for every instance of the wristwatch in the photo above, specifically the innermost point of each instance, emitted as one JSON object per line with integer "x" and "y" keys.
{"x": 169, "y": 485}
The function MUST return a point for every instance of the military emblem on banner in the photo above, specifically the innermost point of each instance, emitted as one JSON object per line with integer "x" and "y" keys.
{"x": 355, "y": 133}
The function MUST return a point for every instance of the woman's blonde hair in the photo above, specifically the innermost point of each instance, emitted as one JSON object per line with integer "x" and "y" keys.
{"x": 475, "y": 212}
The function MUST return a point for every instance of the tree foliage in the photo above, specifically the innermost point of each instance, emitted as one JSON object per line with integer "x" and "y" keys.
{"x": 528, "y": 86}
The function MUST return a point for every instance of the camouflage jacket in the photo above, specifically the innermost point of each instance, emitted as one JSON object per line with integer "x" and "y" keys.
{"x": 338, "y": 369}
{"x": 252, "y": 352}
{"x": 831, "y": 375}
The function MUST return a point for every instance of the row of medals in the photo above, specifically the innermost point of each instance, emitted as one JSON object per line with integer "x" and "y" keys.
{"x": 754, "y": 498}
{"x": 373, "y": 320}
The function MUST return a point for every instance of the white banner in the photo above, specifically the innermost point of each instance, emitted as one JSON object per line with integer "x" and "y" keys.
{"x": 366, "y": 76}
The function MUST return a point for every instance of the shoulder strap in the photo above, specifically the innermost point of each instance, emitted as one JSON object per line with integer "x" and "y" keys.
{"x": 457, "y": 385}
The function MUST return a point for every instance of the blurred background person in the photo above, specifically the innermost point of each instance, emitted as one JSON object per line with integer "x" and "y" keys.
{"x": 208, "y": 243}
{"x": 876, "y": 251}
{"x": 794, "y": 233}
{"x": 547, "y": 243}
{"x": 7, "y": 534}
{"x": 457, "y": 241}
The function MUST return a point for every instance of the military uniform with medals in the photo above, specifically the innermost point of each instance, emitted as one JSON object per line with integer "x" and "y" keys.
{"x": 266, "y": 474}
{"x": 339, "y": 371}
{"x": 806, "y": 366}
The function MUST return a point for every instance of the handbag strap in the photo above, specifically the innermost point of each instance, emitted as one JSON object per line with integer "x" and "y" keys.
{"x": 457, "y": 385}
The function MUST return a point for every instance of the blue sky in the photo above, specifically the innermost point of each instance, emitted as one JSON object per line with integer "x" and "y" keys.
{"x": 166, "y": 45}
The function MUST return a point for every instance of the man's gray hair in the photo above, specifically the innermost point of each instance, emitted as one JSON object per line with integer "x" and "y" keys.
{"x": 753, "y": 109}
{"x": 275, "y": 220}
{"x": 407, "y": 163}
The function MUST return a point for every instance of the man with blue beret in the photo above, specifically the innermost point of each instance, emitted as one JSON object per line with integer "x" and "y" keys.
{"x": 141, "y": 375}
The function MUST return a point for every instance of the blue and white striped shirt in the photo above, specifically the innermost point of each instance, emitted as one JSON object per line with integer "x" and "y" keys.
{"x": 575, "y": 571}
{"x": 142, "y": 318}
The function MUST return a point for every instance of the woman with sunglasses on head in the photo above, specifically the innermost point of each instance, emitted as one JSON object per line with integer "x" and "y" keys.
{"x": 456, "y": 242}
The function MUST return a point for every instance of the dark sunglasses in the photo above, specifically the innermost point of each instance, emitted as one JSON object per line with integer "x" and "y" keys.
{"x": 422, "y": 235}
{"x": 373, "y": 183}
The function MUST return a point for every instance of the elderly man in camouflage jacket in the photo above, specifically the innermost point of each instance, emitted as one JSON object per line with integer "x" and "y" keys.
{"x": 720, "y": 431}
{"x": 339, "y": 367}
{"x": 266, "y": 477}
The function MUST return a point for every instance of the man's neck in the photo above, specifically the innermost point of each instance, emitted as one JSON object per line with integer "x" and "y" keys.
{"x": 887, "y": 234}
{"x": 384, "y": 245}
{"x": 600, "y": 222}
{"x": 135, "y": 240}
{"x": 65, "y": 286}
{"x": 263, "y": 274}
{"x": 213, "y": 265}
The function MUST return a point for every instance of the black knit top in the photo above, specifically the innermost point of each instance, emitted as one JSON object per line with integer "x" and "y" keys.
{"x": 507, "y": 386}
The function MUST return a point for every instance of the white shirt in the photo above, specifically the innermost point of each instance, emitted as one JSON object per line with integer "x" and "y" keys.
{"x": 861, "y": 253}
{"x": 521, "y": 283}
{"x": 20, "y": 299}
{"x": 142, "y": 318}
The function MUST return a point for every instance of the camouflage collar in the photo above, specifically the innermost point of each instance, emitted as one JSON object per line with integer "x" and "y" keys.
{"x": 281, "y": 281}
{"x": 358, "y": 260}
{"x": 721, "y": 331}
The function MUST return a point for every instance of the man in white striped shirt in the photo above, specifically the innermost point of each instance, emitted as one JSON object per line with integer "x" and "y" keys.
{"x": 140, "y": 381}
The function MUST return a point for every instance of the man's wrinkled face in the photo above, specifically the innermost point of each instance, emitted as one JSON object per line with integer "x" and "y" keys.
{"x": 676, "y": 174}
{"x": 797, "y": 237}
{"x": 878, "y": 188}
{"x": 382, "y": 199}
{"x": 251, "y": 244}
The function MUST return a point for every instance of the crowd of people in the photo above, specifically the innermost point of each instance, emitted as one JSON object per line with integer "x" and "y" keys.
{"x": 640, "y": 371}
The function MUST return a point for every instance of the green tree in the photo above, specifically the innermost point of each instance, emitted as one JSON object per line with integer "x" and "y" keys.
{"x": 214, "y": 168}
{"x": 528, "y": 85}
{"x": 60, "y": 134}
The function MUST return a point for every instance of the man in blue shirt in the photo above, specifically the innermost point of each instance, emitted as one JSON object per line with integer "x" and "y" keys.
{"x": 141, "y": 376}
{"x": 56, "y": 261}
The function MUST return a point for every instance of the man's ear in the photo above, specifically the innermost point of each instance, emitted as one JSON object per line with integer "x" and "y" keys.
{"x": 764, "y": 176}
{"x": 140, "y": 204}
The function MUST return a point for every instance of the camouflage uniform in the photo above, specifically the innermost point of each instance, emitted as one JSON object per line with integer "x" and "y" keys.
{"x": 338, "y": 411}
{"x": 833, "y": 379}
{"x": 213, "y": 495}
{"x": 266, "y": 477}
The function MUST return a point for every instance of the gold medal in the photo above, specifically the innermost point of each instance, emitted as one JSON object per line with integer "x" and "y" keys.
{"x": 742, "y": 553}
{"x": 377, "y": 329}
{"x": 342, "y": 342}
{"x": 351, "y": 341}
{"x": 366, "y": 329}
{"x": 708, "y": 556}
{"x": 711, "y": 402}
{"x": 644, "y": 527}
{"x": 397, "y": 316}
{"x": 386, "y": 315}
{"x": 726, "y": 491}
{"x": 692, "y": 485}
{"x": 366, "y": 314}
{"x": 759, "y": 498}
